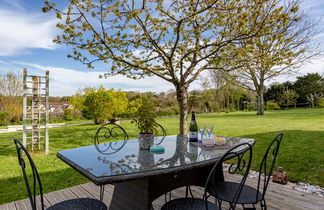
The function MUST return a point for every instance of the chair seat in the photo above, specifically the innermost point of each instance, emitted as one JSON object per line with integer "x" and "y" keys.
{"x": 188, "y": 203}
{"x": 79, "y": 204}
{"x": 226, "y": 192}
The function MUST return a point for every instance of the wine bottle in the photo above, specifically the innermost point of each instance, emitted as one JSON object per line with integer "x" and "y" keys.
{"x": 193, "y": 129}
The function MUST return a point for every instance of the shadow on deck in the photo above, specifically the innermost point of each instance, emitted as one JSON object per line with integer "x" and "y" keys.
{"x": 278, "y": 197}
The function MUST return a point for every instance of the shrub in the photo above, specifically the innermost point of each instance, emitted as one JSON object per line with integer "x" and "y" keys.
{"x": 4, "y": 118}
{"x": 270, "y": 105}
{"x": 55, "y": 117}
{"x": 320, "y": 102}
{"x": 72, "y": 114}
{"x": 68, "y": 114}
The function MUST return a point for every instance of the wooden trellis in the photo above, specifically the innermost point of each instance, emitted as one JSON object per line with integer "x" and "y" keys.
{"x": 35, "y": 113}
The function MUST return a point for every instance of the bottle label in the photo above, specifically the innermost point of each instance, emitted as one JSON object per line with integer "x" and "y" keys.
{"x": 193, "y": 136}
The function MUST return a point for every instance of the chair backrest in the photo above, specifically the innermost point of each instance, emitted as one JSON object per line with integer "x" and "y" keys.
{"x": 160, "y": 134}
{"x": 266, "y": 169}
{"x": 110, "y": 138}
{"x": 159, "y": 131}
{"x": 31, "y": 184}
{"x": 241, "y": 156}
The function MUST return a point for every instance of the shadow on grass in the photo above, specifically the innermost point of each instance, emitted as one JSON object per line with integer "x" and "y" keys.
{"x": 300, "y": 154}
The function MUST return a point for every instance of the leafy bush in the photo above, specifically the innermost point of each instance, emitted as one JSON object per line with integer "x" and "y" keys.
{"x": 104, "y": 104}
{"x": 68, "y": 114}
{"x": 55, "y": 117}
{"x": 251, "y": 107}
{"x": 270, "y": 105}
{"x": 72, "y": 114}
{"x": 4, "y": 118}
{"x": 320, "y": 102}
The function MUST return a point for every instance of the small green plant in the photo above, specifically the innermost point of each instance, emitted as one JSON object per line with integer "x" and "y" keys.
{"x": 320, "y": 102}
{"x": 146, "y": 114}
{"x": 4, "y": 118}
{"x": 270, "y": 105}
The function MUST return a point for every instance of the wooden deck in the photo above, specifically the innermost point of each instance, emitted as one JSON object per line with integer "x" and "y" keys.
{"x": 278, "y": 197}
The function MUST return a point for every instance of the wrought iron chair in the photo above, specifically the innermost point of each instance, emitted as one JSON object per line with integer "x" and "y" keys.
{"x": 160, "y": 134}
{"x": 35, "y": 183}
{"x": 109, "y": 139}
{"x": 249, "y": 194}
{"x": 243, "y": 154}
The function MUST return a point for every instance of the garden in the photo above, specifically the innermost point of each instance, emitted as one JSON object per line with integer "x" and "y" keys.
{"x": 301, "y": 153}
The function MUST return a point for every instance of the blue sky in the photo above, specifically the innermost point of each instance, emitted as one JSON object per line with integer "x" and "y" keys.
{"x": 26, "y": 42}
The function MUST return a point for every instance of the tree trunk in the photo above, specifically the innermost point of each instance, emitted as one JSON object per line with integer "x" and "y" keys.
{"x": 260, "y": 104}
{"x": 182, "y": 97}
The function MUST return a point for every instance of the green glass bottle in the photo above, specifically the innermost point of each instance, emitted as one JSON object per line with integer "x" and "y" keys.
{"x": 193, "y": 129}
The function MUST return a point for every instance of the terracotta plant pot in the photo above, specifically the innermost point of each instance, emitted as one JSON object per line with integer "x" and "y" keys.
{"x": 145, "y": 140}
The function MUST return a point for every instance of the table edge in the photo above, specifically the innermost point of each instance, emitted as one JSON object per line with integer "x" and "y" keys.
{"x": 136, "y": 175}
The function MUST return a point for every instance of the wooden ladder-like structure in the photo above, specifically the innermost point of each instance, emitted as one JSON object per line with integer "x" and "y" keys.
{"x": 35, "y": 113}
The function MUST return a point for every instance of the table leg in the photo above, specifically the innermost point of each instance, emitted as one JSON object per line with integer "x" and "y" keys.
{"x": 139, "y": 194}
{"x": 131, "y": 195}
{"x": 102, "y": 191}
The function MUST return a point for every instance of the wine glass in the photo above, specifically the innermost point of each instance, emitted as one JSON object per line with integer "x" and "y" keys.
{"x": 209, "y": 129}
{"x": 202, "y": 132}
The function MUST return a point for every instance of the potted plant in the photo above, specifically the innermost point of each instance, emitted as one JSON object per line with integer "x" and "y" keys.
{"x": 146, "y": 123}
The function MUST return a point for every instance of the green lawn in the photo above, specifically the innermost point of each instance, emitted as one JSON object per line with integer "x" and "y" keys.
{"x": 301, "y": 153}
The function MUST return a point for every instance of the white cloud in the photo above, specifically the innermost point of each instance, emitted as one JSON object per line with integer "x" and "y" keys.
{"x": 65, "y": 81}
{"x": 315, "y": 66}
{"x": 318, "y": 36}
{"x": 21, "y": 31}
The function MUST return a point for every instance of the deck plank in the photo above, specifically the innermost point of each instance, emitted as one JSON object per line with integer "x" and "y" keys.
{"x": 23, "y": 204}
{"x": 279, "y": 197}
{"x": 8, "y": 206}
{"x": 54, "y": 198}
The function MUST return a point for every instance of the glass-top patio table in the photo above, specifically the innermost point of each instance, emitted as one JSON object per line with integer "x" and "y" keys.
{"x": 140, "y": 176}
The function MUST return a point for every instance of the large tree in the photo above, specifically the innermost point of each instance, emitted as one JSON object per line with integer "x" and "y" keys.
{"x": 278, "y": 50}
{"x": 174, "y": 40}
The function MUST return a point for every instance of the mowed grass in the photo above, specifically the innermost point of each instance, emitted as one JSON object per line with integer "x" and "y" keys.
{"x": 301, "y": 153}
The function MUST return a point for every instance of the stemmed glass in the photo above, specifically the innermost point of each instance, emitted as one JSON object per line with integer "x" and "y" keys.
{"x": 209, "y": 128}
{"x": 202, "y": 133}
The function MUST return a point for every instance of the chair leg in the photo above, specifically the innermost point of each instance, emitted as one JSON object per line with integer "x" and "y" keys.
{"x": 102, "y": 191}
{"x": 188, "y": 189}
{"x": 263, "y": 205}
{"x": 165, "y": 196}
{"x": 220, "y": 204}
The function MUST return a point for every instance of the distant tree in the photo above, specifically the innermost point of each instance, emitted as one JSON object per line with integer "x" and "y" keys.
{"x": 274, "y": 92}
{"x": 134, "y": 104}
{"x": 287, "y": 97}
{"x": 195, "y": 102}
{"x": 104, "y": 104}
{"x": 223, "y": 94}
{"x": 78, "y": 99}
{"x": 278, "y": 50}
{"x": 310, "y": 88}
{"x": 11, "y": 89}
{"x": 173, "y": 40}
